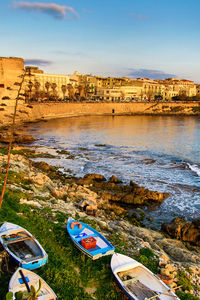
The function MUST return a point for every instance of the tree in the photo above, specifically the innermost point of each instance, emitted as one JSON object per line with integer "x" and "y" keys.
{"x": 150, "y": 95}
{"x": 81, "y": 92}
{"x": 30, "y": 87}
{"x": 54, "y": 86}
{"x": 64, "y": 90}
{"x": 47, "y": 87}
{"x": 158, "y": 97}
{"x": 37, "y": 87}
{"x": 71, "y": 91}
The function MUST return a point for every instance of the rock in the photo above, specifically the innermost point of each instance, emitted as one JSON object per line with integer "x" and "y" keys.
{"x": 176, "y": 251}
{"x": 17, "y": 138}
{"x": 148, "y": 161}
{"x": 96, "y": 177}
{"x": 183, "y": 230}
{"x": 33, "y": 203}
{"x": 114, "y": 179}
{"x": 38, "y": 178}
{"x": 60, "y": 192}
{"x": 133, "y": 184}
{"x": 163, "y": 259}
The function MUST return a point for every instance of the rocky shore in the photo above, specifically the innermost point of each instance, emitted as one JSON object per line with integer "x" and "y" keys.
{"x": 173, "y": 253}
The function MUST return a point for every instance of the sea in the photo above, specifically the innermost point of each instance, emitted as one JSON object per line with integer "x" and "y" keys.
{"x": 161, "y": 153}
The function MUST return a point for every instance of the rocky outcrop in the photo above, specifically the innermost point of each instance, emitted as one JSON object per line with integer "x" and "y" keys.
{"x": 183, "y": 230}
{"x": 95, "y": 177}
{"x": 114, "y": 179}
{"x": 17, "y": 138}
{"x": 113, "y": 191}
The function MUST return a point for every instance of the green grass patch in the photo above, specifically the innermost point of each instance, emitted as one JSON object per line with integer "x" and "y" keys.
{"x": 149, "y": 260}
{"x": 68, "y": 271}
{"x": 184, "y": 281}
{"x": 184, "y": 296}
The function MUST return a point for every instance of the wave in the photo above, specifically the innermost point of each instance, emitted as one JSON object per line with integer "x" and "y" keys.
{"x": 195, "y": 168}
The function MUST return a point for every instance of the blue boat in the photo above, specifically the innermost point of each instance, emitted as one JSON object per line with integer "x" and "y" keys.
{"x": 88, "y": 240}
{"x": 22, "y": 247}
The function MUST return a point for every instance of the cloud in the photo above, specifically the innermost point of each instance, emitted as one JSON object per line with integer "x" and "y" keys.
{"x": 55, "y": 10}
{"x": 37, "y": 62}
{"x": 71, "y": 53}
{"x": 152, "y": 74}
{"x": 138, "y": 16}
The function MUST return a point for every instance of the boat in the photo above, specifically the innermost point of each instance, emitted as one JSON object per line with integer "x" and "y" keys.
{"x": 88, "y": 240}
{"x": 23, "y": 279}
{"x": 138, "y": 282}
{"x": 22, "y": 247}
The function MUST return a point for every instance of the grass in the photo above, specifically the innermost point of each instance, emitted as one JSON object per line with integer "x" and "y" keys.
{"x": 68, "y": 271}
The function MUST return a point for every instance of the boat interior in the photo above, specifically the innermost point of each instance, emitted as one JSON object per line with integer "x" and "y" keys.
{"x": 22, "y": 245}
{"x": 86, "y": 233}
{"x": 144, "y": 285}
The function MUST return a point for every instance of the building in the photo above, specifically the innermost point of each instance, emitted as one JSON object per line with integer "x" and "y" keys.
{"x": 40, "y": 85}
{"x": 11, "y": 72}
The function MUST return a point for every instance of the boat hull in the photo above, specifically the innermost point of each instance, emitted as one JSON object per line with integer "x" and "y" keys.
{"x": 103, "y": 247}
{"x": 138, "y": 282}
{"x": 22, "y": 247}
{"x": 22, "y": 280}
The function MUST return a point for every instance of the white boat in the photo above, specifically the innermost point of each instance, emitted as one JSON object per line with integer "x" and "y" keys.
{"x": 138, "y": 282}
{"x": 22, "y": 247}
{"x": 23, "y": 279}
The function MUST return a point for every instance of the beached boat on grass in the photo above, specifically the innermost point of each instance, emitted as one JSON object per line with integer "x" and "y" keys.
{"x": 22, "y": 280}
{"x": 88, "y": 240}
{"x": 23, "y": 248}
{"x": 138, "y": 282}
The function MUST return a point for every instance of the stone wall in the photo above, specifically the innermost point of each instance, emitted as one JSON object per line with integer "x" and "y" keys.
{"x": 40, "y": 111}
{"x": 10, "y": 71}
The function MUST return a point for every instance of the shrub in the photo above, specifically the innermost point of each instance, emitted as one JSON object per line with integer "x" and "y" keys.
{"x": 184, "y": 281}
{"x": 184, "y": 296}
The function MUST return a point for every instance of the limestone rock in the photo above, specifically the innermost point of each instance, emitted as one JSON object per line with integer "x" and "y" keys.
{"x": 60, "y": 192}
{"x": 31, "y": 202}
{"x": 38, "y": 178}
{"x": 114, "y": 179}
{"x": 183, "y": 230}
{"x": 96, "y": 177}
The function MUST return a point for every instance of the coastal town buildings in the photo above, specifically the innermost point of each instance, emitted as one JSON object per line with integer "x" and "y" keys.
{"x": 38, "y": 85}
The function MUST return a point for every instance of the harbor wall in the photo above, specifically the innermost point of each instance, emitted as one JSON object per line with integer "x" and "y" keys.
{"x": 39, "y": 111}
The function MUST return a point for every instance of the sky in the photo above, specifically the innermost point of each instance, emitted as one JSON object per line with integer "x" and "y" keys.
{"x": 134, "y": 38}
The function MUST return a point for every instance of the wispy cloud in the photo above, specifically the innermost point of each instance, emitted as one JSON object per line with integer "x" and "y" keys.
{"x": 37, "y": 62}
{"x": 147, "y": 73}
{"x": 138, "y": 16}
{"x": 71, "y": 53}
{"x": 55, "y": 10}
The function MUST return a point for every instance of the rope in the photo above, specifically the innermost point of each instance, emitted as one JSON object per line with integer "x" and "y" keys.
{"x": 11, "y": 140}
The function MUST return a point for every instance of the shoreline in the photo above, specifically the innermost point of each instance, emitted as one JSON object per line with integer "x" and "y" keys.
{"x": 44, "y": 191}
{"x": 35, "y": 112}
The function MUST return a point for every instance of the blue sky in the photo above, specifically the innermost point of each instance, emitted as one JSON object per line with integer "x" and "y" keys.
{"x": 135, "y": 38}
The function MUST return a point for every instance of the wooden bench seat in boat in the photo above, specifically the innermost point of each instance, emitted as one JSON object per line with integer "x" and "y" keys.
{"x": 17, "y": 240}
{"x": 140, "y": 290}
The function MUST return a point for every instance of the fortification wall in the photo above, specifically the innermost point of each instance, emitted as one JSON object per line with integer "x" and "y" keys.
{"x": 10, "y": 71}
{"x": 40, "y": 111}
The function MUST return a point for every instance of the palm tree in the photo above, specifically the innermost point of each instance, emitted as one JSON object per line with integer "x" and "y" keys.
{"x": 64, "y": 90}
{"x": 81, "y": 93}
{"x": 54, "y": 86}
{"x": 47, "y": 87}
{"x": 71, "y": 91}
{"x": 30, "y": 87}
{"x": 37, "y": 87}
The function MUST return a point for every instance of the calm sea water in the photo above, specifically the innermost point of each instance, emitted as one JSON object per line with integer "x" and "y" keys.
{"x": 159, "y": 152}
